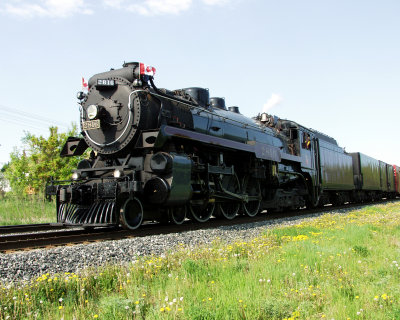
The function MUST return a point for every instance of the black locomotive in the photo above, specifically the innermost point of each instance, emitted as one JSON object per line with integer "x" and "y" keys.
{"x": 170, "y": 155}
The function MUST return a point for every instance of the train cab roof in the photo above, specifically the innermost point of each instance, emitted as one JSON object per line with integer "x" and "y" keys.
{"x": 289, "y": 124}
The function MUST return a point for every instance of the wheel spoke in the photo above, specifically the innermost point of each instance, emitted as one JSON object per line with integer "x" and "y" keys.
{"x": 177, "y": 214}
{"x": 230, "y": 208}
{"x": 251, "y": 187}
{"x": 131, "y": 214}
{"x": 201, "y": 212}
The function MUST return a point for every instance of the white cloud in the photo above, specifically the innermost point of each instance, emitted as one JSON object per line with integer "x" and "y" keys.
{"x": 158, "y": 7}
{"x": 113, "y": 3}
{"x": 65, "y": 8}
{"x": 273, "y": 101}
{"x": 215, "y": 2}
{"x": 151, "y": 7}
{"x": 46, "y": 8}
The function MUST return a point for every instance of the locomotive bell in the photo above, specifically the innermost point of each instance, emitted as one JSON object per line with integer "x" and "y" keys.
{"x": 264, "y": 117}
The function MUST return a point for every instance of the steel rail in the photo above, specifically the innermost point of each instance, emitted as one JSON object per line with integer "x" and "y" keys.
{"x": 29, "y": 228}
{"x": 14, "y": 243}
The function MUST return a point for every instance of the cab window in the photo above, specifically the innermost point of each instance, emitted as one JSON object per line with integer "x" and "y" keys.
{"x": 306, "y": 142}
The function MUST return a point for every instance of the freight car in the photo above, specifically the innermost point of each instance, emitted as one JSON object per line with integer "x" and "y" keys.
{"x": 168, "y": 155}
{"x": 396, "y": 173}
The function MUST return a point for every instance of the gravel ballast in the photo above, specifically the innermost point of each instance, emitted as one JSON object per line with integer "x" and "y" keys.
{"x": 24, "y": 266}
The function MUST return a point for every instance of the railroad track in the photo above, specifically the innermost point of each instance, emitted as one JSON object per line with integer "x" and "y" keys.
{"x": 28, "y": 228}
{"x": 29, "y": 240}
{"x": 47, "y": 235}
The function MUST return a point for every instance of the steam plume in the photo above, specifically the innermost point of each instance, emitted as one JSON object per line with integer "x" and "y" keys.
{"x": 272, "y": 102}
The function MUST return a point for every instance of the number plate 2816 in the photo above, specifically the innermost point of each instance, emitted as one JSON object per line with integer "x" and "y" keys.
{"x": 90, "y": 125}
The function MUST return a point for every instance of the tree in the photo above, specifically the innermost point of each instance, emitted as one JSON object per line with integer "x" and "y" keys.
{"x": 3, "y": 181}
{"x": 32, "y": 166}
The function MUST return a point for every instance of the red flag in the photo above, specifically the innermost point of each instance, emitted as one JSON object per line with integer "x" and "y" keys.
{"x": 84, "y": 84}
{"x": 147, "y": 70}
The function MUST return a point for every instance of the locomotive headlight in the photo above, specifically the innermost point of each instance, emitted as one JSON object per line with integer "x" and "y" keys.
{"x": 92, "y": 111}
{"x": 75, "y": 176}
{"x": 117, "y": 173}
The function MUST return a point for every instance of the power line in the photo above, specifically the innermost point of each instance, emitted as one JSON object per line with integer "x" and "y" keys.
{"x": 14, "y": 114}
{"x": 23, "y": 124}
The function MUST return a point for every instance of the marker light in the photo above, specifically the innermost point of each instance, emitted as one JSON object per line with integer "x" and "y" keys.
{"x": 75, "y": 176}
{"x": 81, "y": 95}
{"x": 117, "y": 173}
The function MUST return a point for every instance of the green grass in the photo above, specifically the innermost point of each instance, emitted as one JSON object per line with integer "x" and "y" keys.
{"x": 15, "y": 210}
{"x": 333, "y": 267}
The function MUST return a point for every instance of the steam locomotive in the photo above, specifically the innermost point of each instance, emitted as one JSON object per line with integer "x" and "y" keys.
{"x": 167, "y": 156}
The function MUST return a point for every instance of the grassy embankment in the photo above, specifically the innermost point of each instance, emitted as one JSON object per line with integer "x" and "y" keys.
{"x": 333, "y": 267}
{"x": 15, "y": 210}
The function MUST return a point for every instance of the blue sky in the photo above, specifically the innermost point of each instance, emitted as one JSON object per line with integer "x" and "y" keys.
{"x": 330, "y": 65}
